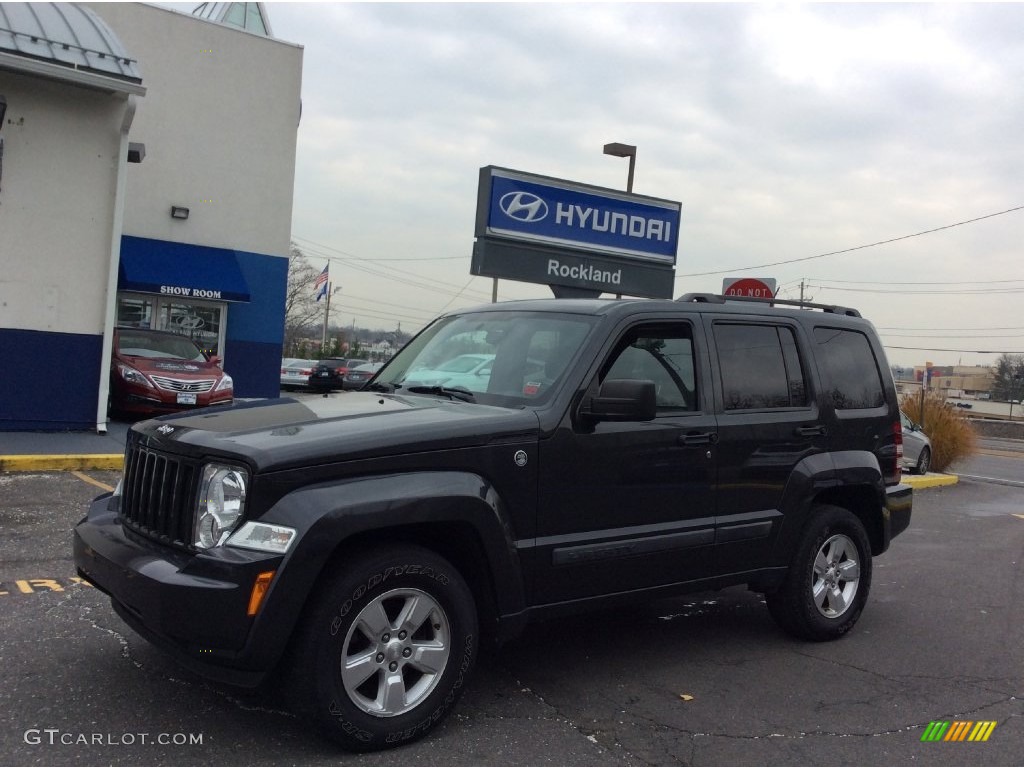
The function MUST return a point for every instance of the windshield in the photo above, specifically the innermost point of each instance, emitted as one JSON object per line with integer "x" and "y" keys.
{"x": 502, "y": 358}
{"x": 159, "y": 345}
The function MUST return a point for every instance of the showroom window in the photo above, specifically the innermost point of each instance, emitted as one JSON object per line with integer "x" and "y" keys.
{"x": 201, "y": 321}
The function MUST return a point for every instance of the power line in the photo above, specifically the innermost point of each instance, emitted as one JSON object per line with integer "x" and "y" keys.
{"x": 965, "y": 351}
{"x": 898, "y": 328}
{"x": 850, "y": 250}
{"x": 916, "y": 282}
{"x": 966, "y": 292}
{"x": 951, "y": 336}
{"x": 382, "y": 258}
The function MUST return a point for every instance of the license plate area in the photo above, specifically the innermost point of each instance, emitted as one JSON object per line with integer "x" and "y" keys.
{"x": 187, "y": 398}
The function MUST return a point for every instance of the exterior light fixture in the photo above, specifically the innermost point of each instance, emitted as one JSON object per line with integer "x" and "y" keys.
{"x": 623, "y": 150}
{"x": 179, "y": 212}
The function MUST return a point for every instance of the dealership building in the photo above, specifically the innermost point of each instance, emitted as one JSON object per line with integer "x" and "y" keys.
{"x": 147, "y": 161}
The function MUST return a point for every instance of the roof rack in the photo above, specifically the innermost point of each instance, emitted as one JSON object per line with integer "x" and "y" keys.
{"x": 711, "y": 298}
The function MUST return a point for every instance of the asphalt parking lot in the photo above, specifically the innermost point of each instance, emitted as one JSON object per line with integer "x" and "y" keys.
{"x": 707, "y": 680}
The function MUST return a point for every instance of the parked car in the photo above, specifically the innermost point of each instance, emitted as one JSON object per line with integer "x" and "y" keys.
{"x": 361, "y": 553}
{"x": 964, "y": 405}
{"x": 470, "y": 371}
{"x": 359, "y": 375}
{"x": 161, "y": 372}
{"x": 917, "y": 448}
{"x": 295, "y": 372}
{"x": 330, "y": 372}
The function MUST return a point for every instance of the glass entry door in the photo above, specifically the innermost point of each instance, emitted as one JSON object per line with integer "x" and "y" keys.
{"x": 201, "y": 321}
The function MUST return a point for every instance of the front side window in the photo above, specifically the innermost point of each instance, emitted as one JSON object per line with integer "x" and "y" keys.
{"x": 760, "y": 367}
{"x": 852, "y": 377}
{"x": 663, "y": 355}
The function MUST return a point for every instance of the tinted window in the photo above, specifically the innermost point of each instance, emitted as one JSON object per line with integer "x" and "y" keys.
{"x": 664, "y": 356}
{"x": 849, "y": 368}
{"x": 760, "y": 367}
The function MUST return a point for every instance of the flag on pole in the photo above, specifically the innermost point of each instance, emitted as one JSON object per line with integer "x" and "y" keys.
{"x": 320, "y": 286}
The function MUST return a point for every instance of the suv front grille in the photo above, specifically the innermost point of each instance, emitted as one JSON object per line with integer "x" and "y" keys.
{"x": 181, "y": 385}
{"x": 158, "y": 494}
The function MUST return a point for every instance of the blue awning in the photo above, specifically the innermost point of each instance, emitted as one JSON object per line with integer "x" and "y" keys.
{"x": 180, "y": 270}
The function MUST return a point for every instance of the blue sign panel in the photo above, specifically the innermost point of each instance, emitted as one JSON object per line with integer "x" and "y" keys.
{"x": 561, "y": 213}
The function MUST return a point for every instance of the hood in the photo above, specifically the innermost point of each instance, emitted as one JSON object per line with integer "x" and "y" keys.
{"x": 287, "y": 433}
{"x": 169, "y": 366}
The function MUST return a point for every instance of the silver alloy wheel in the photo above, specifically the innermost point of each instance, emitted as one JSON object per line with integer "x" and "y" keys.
{"x": 836, "y": 576}
{"x": 395, "y": 652}
{"x": 924, "y": 461}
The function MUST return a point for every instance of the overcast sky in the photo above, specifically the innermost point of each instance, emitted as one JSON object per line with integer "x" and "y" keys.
{"x": 785, "y": 131}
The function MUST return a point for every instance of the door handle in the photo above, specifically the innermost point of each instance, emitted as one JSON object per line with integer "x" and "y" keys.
{"x": 698, "y": 438}
{"x": 810, "y": 431}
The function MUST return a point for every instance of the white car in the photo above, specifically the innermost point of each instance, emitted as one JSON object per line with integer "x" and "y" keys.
{"x": 295, "y": 372}
{"x": 470, "y": 371}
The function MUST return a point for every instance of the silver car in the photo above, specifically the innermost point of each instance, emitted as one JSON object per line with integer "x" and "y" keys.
{"x": 295, "y": 372}
{"x": 917, "y": 448}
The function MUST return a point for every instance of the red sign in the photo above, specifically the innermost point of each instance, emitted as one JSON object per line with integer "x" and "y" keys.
{"x": 758, "y": 288}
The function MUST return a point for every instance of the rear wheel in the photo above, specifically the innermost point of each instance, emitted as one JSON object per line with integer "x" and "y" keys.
{"x": 386, "y": 648}
{"x": 829, "y": 578}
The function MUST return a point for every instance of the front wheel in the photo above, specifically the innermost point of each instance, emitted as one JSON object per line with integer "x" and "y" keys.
{"x": 829, "y": 578}
{"x": 386, "y": 648}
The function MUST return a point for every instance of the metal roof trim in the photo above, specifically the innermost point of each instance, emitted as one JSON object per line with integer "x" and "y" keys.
{"x": 68, "y": 74}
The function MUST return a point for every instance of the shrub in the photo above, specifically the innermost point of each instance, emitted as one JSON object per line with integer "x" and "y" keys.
{"x": 951, "y": 434}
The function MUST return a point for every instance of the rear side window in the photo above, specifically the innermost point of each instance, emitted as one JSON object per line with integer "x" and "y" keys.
{"x": 760, "y": 367}
{"x": 852, "y": 378}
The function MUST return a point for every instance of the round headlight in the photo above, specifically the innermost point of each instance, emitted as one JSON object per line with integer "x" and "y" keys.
{"x": 221, "y": 503}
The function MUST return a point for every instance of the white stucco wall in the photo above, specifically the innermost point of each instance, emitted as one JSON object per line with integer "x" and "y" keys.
{"x": 56, "y": 204}
{"x": 219, "y": 120}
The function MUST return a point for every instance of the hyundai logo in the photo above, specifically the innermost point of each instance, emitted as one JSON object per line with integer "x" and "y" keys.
{"x": 523, "y": 206}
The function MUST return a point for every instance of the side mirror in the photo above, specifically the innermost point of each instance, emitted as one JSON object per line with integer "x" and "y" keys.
{"x": 215, "y": 359}
{"x": 623, "y": 400}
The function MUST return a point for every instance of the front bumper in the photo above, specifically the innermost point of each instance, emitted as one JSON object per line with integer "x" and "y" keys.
{"x": 193, "y": 605}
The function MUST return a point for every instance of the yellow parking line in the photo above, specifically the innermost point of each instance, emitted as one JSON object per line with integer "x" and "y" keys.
{"x": 43, "y": 463}
{"x": 91, "y": 481}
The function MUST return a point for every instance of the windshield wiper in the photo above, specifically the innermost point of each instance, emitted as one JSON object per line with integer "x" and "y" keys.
{"x": 454, "y": 393}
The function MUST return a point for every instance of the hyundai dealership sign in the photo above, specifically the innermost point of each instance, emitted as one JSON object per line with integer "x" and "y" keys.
{"x": 586, "y": 238}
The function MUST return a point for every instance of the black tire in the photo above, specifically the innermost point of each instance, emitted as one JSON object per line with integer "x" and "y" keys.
{"x": 822, "y": 597}
{"x": 406, "y": 621}
{"x": 924, "y": 461}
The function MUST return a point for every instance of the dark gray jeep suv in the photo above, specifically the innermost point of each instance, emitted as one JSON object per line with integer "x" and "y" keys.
{"x": 614, "y": 451}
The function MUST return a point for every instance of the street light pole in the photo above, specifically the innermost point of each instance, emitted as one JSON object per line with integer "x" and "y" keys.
{"x": 617, "y": 149}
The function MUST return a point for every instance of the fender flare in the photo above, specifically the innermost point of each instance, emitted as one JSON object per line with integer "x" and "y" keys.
{"x": 328, "y": 514}
{"x": 850, "y": 475}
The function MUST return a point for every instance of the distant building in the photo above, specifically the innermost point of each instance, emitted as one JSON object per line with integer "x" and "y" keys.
{"x": 957, "y": 380}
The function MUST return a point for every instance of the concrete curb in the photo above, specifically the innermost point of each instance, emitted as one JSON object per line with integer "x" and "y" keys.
{"x": 43, "y": 463}
{"x": 929, "y": 481}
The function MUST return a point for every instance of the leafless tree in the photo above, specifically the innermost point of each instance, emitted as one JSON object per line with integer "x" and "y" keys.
{"x": 303, "y": 314}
